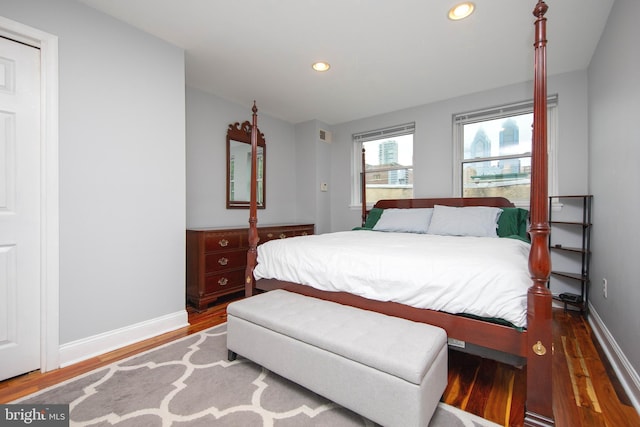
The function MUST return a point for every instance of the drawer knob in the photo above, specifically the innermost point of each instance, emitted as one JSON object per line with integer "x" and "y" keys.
{"x": 283, "y": 236}
{"x": 304, "y": 233}
{"x": 223, "y": 281}
{"x": 223, "y": 261}
{"x": 270, "y": 235}
{"x": 223, "y": 242}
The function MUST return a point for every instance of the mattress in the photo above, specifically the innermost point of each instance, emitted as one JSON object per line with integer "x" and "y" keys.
{"x": 478, "y": 276}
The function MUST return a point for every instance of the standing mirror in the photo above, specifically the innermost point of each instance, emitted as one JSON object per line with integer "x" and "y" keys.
{"x": 239, "y": 166}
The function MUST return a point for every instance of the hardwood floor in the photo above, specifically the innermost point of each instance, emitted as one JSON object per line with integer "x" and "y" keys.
{"x": 586, "y": 393}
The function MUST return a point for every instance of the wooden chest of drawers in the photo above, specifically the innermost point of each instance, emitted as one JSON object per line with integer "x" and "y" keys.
{"x": 217, "y": 258}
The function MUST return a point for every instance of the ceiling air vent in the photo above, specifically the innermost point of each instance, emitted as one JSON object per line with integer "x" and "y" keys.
{"x": 325, "y": 136}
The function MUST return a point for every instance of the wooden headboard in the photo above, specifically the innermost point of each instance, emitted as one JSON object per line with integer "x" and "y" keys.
{"x": 448, "y": 201}
{"x": 499, "y": 202}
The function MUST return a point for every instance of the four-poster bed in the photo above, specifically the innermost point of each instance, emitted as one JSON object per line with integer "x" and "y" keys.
{"x": 533, "y": 344}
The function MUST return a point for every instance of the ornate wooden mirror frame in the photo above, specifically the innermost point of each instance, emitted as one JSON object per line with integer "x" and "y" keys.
{"x": 239, "y": 167}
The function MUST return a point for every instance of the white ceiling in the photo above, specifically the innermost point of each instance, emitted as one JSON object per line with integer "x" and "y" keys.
{"x": 385, "y": 55}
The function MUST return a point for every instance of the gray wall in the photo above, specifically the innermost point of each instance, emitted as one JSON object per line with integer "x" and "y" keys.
{"x": 433, "y": 150}
{"x": 297, "y": 162}
{"x": 122, "y": 168}
{"x": 306, "y": 172}
{"x": 614, "y": 108}
{"x": 313, "y": 158}
{"x": 208, "y": 118}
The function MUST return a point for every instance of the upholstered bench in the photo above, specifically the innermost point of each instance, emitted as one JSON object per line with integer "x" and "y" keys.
{"x": 390, "y": 370}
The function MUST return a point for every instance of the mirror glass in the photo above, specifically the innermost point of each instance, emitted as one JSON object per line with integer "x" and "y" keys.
{"x": 239, "y": 166}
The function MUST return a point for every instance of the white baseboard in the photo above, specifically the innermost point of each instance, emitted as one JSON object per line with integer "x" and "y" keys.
{"x": 86, "y": 348}
{"x": 624, "y": 371}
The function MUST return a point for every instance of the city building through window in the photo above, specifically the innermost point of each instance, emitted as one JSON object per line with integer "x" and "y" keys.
{"x": 388, "y": 170}
{"x": 493, "y": 151}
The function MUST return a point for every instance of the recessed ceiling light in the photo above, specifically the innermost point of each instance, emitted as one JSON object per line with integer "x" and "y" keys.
{"x": 461, "y": 11}
{"x": 321, "y": 66}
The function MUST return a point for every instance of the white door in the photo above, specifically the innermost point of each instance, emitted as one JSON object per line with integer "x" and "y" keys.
{"x": 19, "y": 208}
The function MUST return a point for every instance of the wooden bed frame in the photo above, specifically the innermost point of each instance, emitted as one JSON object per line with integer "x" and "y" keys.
{"x": 534, "y": 344}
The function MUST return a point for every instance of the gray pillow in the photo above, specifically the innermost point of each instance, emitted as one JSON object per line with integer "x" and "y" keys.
{"x": 479, "y": 221}
{"x": 412, "y": 220}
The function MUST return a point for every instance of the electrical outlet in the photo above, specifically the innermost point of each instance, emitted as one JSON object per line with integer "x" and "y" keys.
{"x": 605, "y": 286}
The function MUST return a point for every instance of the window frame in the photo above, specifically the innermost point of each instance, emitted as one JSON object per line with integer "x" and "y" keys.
{"x": 358, "y": 139}
{"x": 500, "y": 112}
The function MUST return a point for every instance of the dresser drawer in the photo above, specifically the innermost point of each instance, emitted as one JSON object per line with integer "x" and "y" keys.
{"x": 271, "y": 233}
{"x": 265, "y": 236}
{"x": 303, "y": 231}
{"x": 225, "y": 260}
{"x": 223, "y": 281}
{"x": 220, "y": 240}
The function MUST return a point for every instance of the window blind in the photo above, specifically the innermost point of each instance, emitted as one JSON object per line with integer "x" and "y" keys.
{"x": 511, "y": 109}
{"x": 388, "y": 132}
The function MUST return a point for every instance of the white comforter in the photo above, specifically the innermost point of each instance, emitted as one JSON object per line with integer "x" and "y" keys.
{"x": 482, "y": 276}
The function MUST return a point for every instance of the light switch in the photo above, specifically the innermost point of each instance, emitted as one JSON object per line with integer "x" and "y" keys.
{"x": 324, "y": 186}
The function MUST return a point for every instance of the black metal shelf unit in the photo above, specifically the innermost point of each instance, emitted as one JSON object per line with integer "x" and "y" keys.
{"x": 583, "y": 252}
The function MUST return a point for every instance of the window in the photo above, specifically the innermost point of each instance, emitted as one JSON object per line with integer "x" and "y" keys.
{"x": 493, "y": 151}
{"x": 388, "y": 164}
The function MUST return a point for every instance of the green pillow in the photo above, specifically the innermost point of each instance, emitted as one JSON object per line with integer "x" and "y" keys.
{"x": 373, "y": 217}
{"x": 513, "y": 222}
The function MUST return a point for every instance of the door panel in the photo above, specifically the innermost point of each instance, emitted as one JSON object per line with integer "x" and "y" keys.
{"x": 19, "y": 208}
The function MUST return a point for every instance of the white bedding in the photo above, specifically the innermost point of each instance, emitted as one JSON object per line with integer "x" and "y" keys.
{"x": 482, "y": 276}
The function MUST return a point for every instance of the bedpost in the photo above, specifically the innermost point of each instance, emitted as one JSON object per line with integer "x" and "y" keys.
{"x": 252, "y": 253}
{"x": 363, "y": 189}
{"x": 539, "y": 403}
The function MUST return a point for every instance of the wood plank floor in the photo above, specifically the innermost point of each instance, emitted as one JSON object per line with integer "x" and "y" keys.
{"x": 586, "y": 392}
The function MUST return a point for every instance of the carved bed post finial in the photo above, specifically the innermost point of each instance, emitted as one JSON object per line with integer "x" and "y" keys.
{"x": 540, "y": 9}
{"x": 252, "y": 253}
{"x": 539, "y": 404}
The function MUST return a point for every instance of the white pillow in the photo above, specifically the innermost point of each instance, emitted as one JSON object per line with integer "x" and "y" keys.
{"x": 411, "y": 220}
{"x": 480, "y": 221}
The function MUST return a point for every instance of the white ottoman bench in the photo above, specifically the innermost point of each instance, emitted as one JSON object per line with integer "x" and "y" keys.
{"x": 390, "y": 370}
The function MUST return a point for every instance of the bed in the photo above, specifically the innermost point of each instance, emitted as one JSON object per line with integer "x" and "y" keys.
{"x": 527, "y": 334}
{"x": 395, "y": 259}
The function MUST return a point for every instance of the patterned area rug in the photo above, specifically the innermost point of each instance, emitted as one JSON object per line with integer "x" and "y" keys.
{"x": 189, "y": 382}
